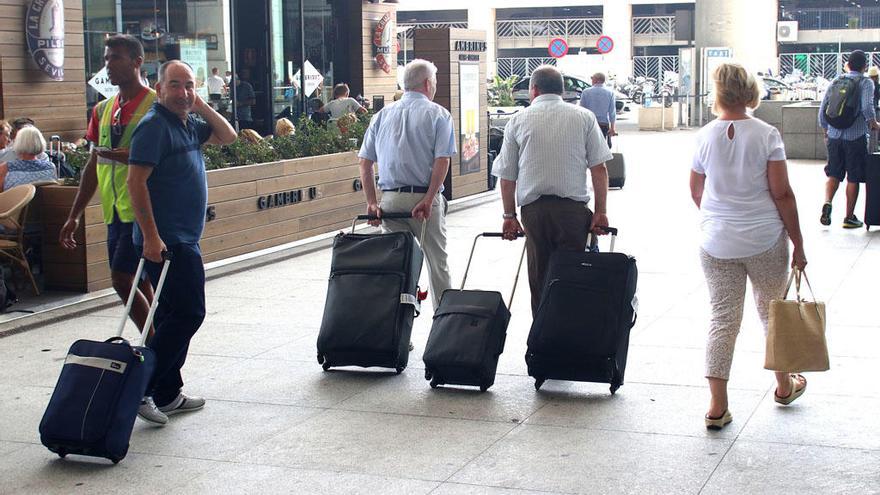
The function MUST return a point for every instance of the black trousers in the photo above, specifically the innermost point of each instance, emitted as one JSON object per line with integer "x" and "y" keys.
{"x": 552, "y": 224}
{"x": 179, "y": 315}
{"x": 605, "y": 132}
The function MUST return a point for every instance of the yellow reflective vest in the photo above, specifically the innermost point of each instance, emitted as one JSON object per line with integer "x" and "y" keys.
{"x": 111, "y": 174}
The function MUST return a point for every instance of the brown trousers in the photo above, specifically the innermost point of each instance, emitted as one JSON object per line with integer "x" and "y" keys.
{"x": 552, "y": 224}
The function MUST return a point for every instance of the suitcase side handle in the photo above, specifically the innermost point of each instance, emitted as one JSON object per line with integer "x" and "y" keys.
{"x": 518, "y": 266}
{"x": 131, "y": 295}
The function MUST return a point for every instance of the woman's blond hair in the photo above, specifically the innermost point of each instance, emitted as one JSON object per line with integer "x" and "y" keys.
{"x": 250, "y": 136}
{"x": 284, "y": 127}
{"x": 734, "y": 87}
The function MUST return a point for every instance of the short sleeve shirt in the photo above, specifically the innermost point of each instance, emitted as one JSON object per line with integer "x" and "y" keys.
{"x": 342, "y": 107}
{"x": 128, "y": 109}
{"x": 739, "y": 216}
{"x": 178, "y": 184}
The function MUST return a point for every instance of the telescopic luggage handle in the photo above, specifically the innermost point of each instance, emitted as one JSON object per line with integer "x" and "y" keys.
{"x": 392, "y": 216}
{"x": 166, "y": 256}
{"x": 518, "y": 266}
{"x": 610, "y": 230}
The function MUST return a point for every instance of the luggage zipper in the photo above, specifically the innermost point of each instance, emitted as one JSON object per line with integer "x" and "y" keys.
{"x": 82, "y": 432}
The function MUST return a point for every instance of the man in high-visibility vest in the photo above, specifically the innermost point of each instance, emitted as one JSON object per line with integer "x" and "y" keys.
{"x": 110, "y": 128}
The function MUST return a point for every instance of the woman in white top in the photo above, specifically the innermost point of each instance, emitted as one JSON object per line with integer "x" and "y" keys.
{"x": 740, "y": 183}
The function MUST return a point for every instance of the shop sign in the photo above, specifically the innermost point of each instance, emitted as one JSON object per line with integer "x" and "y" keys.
{"x": 101, "y": 83}
{"x": 469, "y": 46}
{"x": 314, "y": 79}
{"x": 469, "y": 107}
{"x": 384, "y": 41}
{"x": 44, "y": 30}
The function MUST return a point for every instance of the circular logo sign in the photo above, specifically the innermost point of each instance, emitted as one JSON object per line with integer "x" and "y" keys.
{"x": 558, "y": 48}
{"x": 44, "y": 29}
{"x": 605, "y": 44}
{"x": 383, "y": 42}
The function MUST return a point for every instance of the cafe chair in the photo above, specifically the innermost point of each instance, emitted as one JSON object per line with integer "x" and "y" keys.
{"x": 13, "y": 214}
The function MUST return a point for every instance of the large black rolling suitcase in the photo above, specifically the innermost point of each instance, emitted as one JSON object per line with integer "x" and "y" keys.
{"x": 372, "y": 298}
{"x": 468, "y": 333}
{"x": 872, "y": 190}
{"x": 588, "y": 307}
{"x": 94, "y": 405}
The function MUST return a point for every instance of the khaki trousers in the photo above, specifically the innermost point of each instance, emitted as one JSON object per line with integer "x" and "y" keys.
{"x": 552, "y": 224}
{"x": 434, "y": 245}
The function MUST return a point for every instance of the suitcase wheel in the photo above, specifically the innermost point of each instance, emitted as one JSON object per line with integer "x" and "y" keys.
{"x": 483, "y": 388}
{"x": 62, "y": 454}
{"x": 428, "y": 375}
{"x": 115, "y": 461}
{"x": 434, "y": 382}
{"x": 539, "y": 382}
{"x": 400, "y": 369}
{"x": 326, "y": 365}
{"x": 614, "y": 387}
{"x": 320, "y": 359}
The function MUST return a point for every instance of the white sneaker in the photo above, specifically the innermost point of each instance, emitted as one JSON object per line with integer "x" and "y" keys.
{"x": 182, "y": 403}
{"x": 150, "y": 413}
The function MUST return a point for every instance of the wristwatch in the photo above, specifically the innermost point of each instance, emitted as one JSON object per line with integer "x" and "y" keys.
{"x": 509, "y": 216}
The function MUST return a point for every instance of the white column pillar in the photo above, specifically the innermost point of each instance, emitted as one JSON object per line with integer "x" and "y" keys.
{"x": 617, "y": 23}
{"x": 483, "y": 19}
{"x": 747, "y": 27}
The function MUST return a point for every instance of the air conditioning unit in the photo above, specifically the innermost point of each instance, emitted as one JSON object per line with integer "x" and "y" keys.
{"x": 786, "y": 31}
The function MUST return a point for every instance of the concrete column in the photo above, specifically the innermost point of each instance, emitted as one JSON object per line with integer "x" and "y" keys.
{"x": 617, "y": 23}
{"x": 746, "y": 26}
{"x": 483, "y": 19}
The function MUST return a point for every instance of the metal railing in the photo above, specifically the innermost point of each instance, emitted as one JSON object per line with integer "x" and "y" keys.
{"x": 655, "y": 67}
{"x": 521, "y": 66}
{"x": 840, "y": 18}
{"x": 549, "y": 28}
{"x": 827, "y": 65}
{"x": 659, "y": 26}
{"x": 431, "y": 25}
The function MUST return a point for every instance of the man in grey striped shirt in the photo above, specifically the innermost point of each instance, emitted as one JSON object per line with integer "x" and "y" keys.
{"x": 543, "y": 164}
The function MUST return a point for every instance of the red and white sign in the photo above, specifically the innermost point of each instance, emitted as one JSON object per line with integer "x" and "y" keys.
{"x": 604, "y": 44}
{"x": 384, "y": 42}
{"x": 558, "y": 48}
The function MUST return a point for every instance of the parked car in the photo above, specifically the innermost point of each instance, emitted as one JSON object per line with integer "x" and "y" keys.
{"x": 775, "y": 89}
{"x": 572, "y": 89}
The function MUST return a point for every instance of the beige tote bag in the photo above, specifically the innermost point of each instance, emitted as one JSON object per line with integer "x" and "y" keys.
{"x": 796, "y": 331}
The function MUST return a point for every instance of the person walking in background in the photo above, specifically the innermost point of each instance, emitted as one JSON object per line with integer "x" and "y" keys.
{"x": 110, "y": 129}
{"x": 848, "y": 146}
{"x": 739, "y": 181}
{"x": 28, "y": 167}
{"x": 169, "y": 190}
{"x": 874, "y": 76}
{"x": 245, "y": 99}
{"x": 601, "y": 101}
{"x": 216, "y": 86}
{"x": 548, "y": 148}
{"x": 413, "y": 142}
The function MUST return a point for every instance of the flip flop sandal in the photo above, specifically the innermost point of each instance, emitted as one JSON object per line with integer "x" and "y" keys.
{"x": 719, "y": 422}
{"x": 795, "y": 392}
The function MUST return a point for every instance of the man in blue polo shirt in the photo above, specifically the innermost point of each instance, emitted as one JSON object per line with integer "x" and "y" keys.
{"x": 169, "y": 193}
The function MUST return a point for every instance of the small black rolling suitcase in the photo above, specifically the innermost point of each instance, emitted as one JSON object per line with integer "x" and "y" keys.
{"x": 581, "y": 330}
{"x": 372, "y": 298}
{"x": 616, "y": 171}
{"x": 94, "y": 405}
{"x": 872, "y": 190}
{"x": 468, "y": 333}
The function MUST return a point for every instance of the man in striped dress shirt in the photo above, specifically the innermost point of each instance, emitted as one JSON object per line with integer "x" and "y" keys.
{"x": 543, "y": 164}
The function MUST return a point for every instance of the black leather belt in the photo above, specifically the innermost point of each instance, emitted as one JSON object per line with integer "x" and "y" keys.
{"x": 408, "y": 189}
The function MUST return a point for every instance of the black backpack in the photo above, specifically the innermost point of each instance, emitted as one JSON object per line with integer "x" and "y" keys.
{"x": 844, "y": 102}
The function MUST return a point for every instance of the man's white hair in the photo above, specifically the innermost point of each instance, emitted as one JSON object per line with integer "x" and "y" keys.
{"x": 29, "y": 140}
{"x": 416, "y": 73}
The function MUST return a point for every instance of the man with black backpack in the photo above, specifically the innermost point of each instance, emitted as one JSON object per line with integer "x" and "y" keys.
{"x": 846, "y": 114}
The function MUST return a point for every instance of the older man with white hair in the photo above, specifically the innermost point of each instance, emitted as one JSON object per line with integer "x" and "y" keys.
{"x": 413, "y": 140}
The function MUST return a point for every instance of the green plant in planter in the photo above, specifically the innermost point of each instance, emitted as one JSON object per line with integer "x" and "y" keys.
{"x": 77, "y": 158}
{"x": 501, "y": 91}
{"x": 215, "y": 157}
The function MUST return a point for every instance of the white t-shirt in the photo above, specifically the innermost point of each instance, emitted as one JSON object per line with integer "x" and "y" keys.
{"x": 739, "y": 216}
{"x": 341, "y": 107}
{"x": 215, "y": 84}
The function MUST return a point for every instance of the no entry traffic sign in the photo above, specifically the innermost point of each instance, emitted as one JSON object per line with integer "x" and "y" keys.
{"x": 558, "y": 48}
{"x": 605, "y": 44}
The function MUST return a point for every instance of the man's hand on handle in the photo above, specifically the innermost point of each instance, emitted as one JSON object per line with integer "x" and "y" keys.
{"x": 374, "y": 211}
{"x": 599, "y": 220}
{"x": 422, "y": 211}
{"x": 511, "y": 229}
{"x": 153, "y": 249}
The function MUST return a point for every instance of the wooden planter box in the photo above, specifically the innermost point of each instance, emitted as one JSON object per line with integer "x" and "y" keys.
{"x": 249, "y": 208}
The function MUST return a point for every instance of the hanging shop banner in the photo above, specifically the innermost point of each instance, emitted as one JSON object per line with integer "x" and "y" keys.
{"x": 195, "y": 53}
{"x": 44, "y": 30}
{"x": 384, "y": 41}
{"x": 469, "y": 104}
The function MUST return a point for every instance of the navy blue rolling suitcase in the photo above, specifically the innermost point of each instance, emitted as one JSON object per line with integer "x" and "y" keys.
{"x": 468, "y": 333}
{"x": 95, "y": 402}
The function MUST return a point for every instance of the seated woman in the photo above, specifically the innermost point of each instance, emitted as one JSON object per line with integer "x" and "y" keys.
{"x": 342, "y": 104}
{"x": 29, "y": 167}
